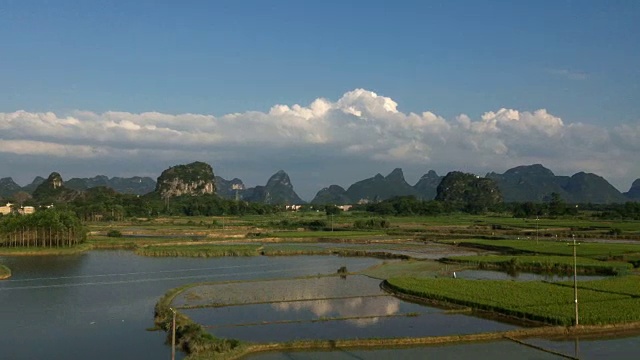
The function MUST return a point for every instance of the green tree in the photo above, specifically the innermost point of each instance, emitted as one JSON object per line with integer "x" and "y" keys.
{"x": 557, "y": 206}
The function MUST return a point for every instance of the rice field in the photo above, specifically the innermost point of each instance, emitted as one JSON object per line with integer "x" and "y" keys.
{"x": 534, "y": 300}
{"x": 544, "y": 263}
{"x": 557, "y": 247}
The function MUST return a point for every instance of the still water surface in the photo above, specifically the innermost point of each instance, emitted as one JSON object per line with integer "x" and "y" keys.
{"x": 97, "y": 305}
{"x": 521, "y": 276}
{"x": 327, "y": 308}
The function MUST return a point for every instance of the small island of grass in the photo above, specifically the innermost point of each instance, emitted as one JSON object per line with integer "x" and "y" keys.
{"x": 5, "y": 272}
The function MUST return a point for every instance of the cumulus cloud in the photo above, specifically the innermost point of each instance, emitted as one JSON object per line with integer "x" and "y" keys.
{"x": 361, "y": 127}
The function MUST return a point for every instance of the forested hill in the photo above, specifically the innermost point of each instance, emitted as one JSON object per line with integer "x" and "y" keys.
{"x": 527, "y": 183}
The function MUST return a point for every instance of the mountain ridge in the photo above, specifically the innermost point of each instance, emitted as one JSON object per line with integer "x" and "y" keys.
{"x": 524, "y": 183}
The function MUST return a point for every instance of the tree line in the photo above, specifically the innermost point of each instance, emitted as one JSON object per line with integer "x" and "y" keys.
{"x": 555, "y": 207}
{"x": 46, "y": 228}
{"x": 104, "y": 204}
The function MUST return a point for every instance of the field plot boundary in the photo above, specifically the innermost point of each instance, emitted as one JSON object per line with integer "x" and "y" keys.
{"x": 537, "y": 332}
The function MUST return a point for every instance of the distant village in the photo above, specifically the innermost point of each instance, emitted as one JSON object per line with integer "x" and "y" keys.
{"x": 23, "y": 210}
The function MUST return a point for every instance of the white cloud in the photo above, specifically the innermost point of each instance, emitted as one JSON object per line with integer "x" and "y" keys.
{"x": 361, "y": 128}
{"x": 569, "y": 74}
{"x": 29, "y": 147}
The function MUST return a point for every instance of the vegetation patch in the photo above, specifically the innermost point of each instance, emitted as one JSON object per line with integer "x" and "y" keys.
{"x": 543, "y": 264}
{"x": 44, "y": 229}
{"x": 371, "y": 223}
{"x": 325, "y": 234}
{"x": 536, "y": 301}
{"x": 625, "y": 285}
{"x": 5, "y": 272}
{"x": 114, "y": 233}
{"x": 38, "y": 251}
{"x": 412, "y": 268}
{"x": 131, "y": 243}
{"x": 200, "y": 250}
{"x": 585, "y": 249}
{"x": 294, "y": 249}
{"x": 191, "y": 338}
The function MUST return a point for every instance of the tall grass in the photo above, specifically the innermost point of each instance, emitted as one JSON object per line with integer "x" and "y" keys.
{"x": 5, "y": 272}
{"x": 31, "y": 251}
{"x": 200, "y": 250}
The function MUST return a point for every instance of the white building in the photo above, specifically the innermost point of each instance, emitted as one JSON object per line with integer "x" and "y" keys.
{"x": 5, "y": 210}
{"x": 26, "y": 210}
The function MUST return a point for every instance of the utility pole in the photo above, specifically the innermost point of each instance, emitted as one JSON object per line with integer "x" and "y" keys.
{"x": 331, "y": 222}
{"x": 173, "y": 335}
{"x": 575, "y": 277}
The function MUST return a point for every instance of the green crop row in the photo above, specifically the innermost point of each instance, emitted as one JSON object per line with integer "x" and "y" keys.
{"x": 544, "y": 263}
{"x": 558, "y": 247}
{"x": 536, "y": 301}
{"x": 294, "y": 249}
{"x": 627, "y": 285}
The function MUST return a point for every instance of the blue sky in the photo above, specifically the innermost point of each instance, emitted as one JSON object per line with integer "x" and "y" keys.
{"x": 576, "y": 59}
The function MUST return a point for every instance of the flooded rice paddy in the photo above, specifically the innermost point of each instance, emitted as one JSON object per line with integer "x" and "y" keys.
{"x": 320, "y": 308}
{"x": 99, "y": 305}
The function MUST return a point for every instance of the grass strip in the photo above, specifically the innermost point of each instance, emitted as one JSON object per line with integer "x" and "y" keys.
{"x": 5, "y": 272}
{"x": 544, "y": 264}
{"x": 325, "y": 234}
{"x": 43, "y": 251}
{"x": 293, "y": 249}
{"x": 200, "y": 250}
{"x": 412, "y": 268}
{"x": 586, "y": 249}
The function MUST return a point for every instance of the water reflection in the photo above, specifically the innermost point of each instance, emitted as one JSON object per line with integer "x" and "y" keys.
{"x": 520, "y": 276}
{"x": 367, "y": 310}
{"x": 99, "y": 304}
{"x": 240, "y": 293}
{"x": 29, "y": 267}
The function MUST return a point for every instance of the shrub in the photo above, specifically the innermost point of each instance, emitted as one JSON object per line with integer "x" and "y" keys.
{"x": 114, "y": 233}
{"x": 372, "y": 223}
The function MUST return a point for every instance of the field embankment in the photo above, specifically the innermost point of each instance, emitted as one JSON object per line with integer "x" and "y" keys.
{"x": 200, "y": 250}
{"x": 42, "y": 251}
